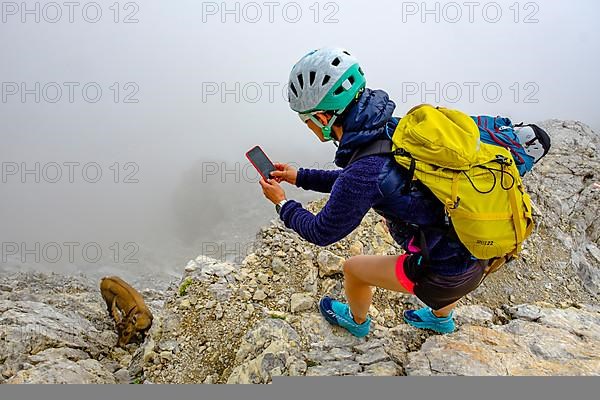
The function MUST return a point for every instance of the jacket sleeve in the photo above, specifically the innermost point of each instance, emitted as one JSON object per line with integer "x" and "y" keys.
{"x": 316, "y": 179}
{"x": 352, "y": 195}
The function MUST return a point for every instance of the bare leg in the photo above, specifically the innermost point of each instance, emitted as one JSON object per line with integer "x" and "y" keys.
{"x": 444, "y": 312}
{"x": 363, "y": 272}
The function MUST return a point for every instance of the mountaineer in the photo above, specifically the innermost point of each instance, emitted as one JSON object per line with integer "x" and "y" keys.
{"x": 327, "y": 88}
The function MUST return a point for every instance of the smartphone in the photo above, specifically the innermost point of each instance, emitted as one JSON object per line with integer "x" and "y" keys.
{"x": 261, "y": 162}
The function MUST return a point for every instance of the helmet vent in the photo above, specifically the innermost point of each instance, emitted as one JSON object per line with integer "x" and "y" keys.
{"x": 351, "y": 80}
{"x": 361, "y": 71}
{"x": 293, "y": 88}
{"x": 339, "y": 91}
{"x": 346, "y": 53}
{"x": 325, "y": 80}
{"x": 336, "y": 62}
{"x": 301, "y": 81}
{"x": 313, "y": 75}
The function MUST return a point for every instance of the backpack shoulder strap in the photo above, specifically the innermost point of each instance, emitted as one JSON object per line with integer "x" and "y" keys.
{"x": 381, "y": 146}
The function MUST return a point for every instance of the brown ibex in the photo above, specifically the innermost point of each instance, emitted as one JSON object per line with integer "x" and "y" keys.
{"x": 127, "y": 308}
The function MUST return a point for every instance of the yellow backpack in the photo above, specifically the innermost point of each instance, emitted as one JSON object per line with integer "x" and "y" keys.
{"x": 478, "y": 183}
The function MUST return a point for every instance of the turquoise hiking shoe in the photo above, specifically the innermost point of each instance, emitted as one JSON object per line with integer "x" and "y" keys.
{"x": 337, "y": 313}
{"x": 425, "y": 319}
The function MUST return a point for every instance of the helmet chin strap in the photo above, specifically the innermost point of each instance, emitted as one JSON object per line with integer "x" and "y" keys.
{"x": 326, "y": 129}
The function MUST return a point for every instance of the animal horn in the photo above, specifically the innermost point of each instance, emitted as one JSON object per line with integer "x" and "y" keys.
{"x": 115, "y": 312}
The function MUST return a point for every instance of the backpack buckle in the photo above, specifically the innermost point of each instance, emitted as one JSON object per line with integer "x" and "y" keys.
{"x": 402, "y": 153}
{"x": 452, "y": 204}
{"x": 500, "y": 159}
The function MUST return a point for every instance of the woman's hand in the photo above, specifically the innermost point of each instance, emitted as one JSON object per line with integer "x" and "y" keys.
{"x": 272, "y": 191}
{"x": 285, "y": 173}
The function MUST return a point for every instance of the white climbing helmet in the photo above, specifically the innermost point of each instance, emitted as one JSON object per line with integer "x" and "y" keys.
{"x": 325, "y": 79}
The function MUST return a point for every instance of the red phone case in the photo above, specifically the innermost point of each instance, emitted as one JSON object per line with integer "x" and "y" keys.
{"x": 254, "y": 165}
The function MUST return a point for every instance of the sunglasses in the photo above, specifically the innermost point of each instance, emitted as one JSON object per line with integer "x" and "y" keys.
{"x": 306, "y": 117}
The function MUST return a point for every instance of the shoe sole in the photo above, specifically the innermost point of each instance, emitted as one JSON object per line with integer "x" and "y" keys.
{"x": 416, "y": 325}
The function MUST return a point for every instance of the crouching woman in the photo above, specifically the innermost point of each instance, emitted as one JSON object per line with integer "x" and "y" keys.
{"x": 327, "y": 89}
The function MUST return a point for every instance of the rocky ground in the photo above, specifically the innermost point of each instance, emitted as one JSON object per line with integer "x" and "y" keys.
{"x": 228, "y": 323}
{"x": 55, "y": 329}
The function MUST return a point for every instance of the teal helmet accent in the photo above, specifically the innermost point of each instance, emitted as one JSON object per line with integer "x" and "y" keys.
{"x": 327, "y": 79}
{"x": 345, "y": 90}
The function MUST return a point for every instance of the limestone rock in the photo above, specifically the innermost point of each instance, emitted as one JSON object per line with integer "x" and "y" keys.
{"x": 356, "y": 248}
{"x": 31, "y": 328}
{"x": 372, "y": 357}
{"x": 278, "y": 265}
{"x": 259, "y": 295}
{"x": 270, "y": 349}
{"x": 122, "y": 376}
{"x": 301, "y": 302}
{"x": 474, "y": 314}
{"x": 341, "y": 354}
{"x": 207, "y": 267}
{"x": 310, "y": 282}
{"x": 62, "y": 371}
{"x": 329, "y": 263}
{"x": 334, "y": 368}
{"x": 386, "y": 368}
{"x": 557, "y": 342}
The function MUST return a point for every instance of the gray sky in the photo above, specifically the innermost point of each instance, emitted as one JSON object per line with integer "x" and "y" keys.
{"x": 526, "y": 60}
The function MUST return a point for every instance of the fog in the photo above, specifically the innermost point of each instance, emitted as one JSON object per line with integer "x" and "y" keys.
{"x": 124, "y": 125}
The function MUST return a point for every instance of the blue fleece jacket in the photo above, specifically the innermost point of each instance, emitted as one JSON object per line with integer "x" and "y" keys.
{"x": 353, "y": 190}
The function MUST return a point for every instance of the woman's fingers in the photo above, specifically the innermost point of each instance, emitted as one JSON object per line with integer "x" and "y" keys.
{"x": 270, "y": 184}
{"x": 273, "y": 183}
{"x": 284, "y": 173}
{"x": 279, "y": 176}
{"x": 272, "y": 190}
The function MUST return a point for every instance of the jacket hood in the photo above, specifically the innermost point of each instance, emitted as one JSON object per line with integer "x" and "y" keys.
{"x": 364, "y": 122}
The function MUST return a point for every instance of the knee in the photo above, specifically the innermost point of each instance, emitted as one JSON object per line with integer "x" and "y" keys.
{"x": 350, "y": 265}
